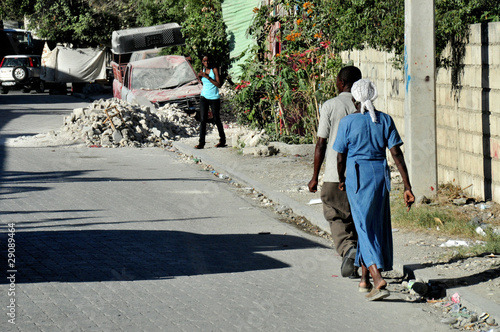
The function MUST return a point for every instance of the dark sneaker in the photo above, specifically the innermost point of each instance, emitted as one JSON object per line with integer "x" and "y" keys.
{"x": 347, "y": 268}
{"x": 355, "y": 274}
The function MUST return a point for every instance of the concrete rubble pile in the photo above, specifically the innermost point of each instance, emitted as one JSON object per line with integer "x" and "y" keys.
{"x": 116, "y": 123}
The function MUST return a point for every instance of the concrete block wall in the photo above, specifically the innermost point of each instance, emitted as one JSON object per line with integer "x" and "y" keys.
{"x": 467, "y": 120}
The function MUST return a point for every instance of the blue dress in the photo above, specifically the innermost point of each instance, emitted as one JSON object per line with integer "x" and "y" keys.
{"x": 368, "y": 183}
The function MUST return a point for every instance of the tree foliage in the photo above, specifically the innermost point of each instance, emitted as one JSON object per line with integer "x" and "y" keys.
{"x": 79, "y": 22}
{"x": 308, "y": 26}
{"x": 91, "y": 22}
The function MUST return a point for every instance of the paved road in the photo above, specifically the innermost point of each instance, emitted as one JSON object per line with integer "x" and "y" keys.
{"x": 138, "y": 240}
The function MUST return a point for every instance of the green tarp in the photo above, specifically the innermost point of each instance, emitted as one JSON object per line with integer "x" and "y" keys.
{"x": 238, "y": 15}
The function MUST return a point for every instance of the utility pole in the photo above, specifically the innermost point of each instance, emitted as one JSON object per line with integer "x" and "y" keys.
{"x": 420, "y": 96}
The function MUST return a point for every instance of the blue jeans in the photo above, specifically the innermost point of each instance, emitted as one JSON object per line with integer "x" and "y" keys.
{"x": 214, "y": 105}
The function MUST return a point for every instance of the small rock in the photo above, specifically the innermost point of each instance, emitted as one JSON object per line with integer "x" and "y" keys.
{"x": 460, "y": 201}
{"x": 117, "y": 136}
{"x": 449, "y": 320}
{"x": 422, "y": 200}
{"x": 476, "y": 221}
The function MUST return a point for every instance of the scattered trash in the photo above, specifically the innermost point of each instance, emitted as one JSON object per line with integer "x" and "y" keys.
{"x": 418, "y": 287}
{"x": 455, "y": 308}
{"x": 314, "y": 201}
{"x": 438, "y": 221}
{"x": 480, "y": 231}
{"x": 455, "y": 243}
{"x": 483, "y": 206}
{"x": 455, "y": 298}
{"x": 484, "y": 316}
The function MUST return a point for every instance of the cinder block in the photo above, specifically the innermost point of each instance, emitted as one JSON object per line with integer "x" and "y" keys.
{"x": 477, "y": 144}
{"x": 468, "y": 59}
{"x": 471, "y": 77}
{"x": 494, "y": 33}
{"x": 475, "y": 34}
{"x": 400, "y": 125}
{"x": 445, "y": 158}
{"x": 495, "y": 125}
{"x": 446, "y": 96}
{"x": 462, "y": 122}
{"x": 395, "y": 108}
{"x": 443, "y": 77}
{"x": 496, "y": 192}
{"x": 494, "y": 97}
{"x": 465, "y": 142}
{"x": 495, "y": 152}
{"x": 467, "y": 163}
{"x": 493, "y": 54}
{"x": 446, "y": 175}
{"x": 465, "y": 99}
{"x": 475, "y": 54}
{"x": 452, "y": 139}
{"x": 493, "y": 82}
{"x": 476, "y": 100}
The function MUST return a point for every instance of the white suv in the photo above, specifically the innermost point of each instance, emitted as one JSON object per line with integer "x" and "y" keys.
{"x": 21, "y": 71}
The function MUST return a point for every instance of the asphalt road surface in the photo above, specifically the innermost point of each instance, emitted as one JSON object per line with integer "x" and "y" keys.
{"x": 139, "y": 240}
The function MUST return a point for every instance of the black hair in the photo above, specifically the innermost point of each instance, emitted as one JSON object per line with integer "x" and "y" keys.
{"x": 211, "y": 62}
{"x": 349, "y": 75}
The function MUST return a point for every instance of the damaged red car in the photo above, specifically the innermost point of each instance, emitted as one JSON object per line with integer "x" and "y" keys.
{"x": 159, "y": 80}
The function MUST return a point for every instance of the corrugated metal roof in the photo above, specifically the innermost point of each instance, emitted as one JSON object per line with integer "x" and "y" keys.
{"x": 238, "y": 15}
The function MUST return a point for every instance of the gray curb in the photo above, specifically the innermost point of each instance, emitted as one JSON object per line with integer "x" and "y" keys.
{"x": 469, "y": 299}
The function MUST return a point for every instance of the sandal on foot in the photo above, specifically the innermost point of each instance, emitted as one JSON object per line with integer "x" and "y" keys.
{"x": 199, "y": 146}
{"x": 377, "y": 294}
{"x": 366, "y": 289}
{"x": 220, "y": 145}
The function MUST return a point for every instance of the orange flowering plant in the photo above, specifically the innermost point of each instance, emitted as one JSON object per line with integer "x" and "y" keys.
{"x": 284, "y": 91}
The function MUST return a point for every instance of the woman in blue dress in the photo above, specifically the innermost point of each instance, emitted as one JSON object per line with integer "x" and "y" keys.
{"x": 361, "y": 143}
{"x": 210, "y": 98}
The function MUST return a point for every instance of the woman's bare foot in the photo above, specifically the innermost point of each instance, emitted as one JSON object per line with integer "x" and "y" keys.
{"x": 365, "y": 278}
{"x": 381, "y": 285}
{"x": 378, "y": 281}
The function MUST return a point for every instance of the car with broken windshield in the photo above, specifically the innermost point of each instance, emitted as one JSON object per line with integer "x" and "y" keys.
{"x": 159, "y": 80}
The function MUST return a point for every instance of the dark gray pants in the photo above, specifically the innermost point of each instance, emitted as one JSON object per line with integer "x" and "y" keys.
{"x": 338, "y": 213}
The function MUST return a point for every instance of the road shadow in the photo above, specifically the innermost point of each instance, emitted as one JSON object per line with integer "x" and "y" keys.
{"x": 28, "y": 105}
{"x": 13, "y": 182}
{"x": 114, "y": 255}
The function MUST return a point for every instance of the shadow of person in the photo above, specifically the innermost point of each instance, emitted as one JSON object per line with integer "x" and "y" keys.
{"x": 107, "y": 255}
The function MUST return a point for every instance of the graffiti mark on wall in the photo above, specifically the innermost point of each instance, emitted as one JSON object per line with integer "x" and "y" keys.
{"x": 395, "y": 87}
{"x": 407, "y": 75}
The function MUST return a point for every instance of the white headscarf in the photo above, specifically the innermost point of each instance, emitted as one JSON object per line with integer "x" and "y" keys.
{"x": 365, "y": 92}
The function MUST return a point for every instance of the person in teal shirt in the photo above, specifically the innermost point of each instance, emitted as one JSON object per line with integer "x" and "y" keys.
{"x": 210, "y": 98}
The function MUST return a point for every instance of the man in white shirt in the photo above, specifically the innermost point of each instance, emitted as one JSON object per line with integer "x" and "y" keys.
{"x": 335, "y": 204}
